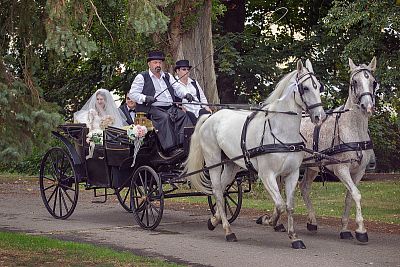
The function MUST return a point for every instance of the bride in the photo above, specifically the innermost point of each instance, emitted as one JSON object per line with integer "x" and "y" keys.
{"x": 99, "y": 112}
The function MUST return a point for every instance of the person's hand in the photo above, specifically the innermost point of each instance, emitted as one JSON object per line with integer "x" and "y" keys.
{"x": 150, "y": 99}
{"x": 189, "y": 97}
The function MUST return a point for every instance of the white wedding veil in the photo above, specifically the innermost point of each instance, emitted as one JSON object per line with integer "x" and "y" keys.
{"x": 110, "y": 108}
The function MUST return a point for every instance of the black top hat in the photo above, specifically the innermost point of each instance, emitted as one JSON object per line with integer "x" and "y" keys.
{"x": 182, "y": 63}
{"x": 155, "y": 55}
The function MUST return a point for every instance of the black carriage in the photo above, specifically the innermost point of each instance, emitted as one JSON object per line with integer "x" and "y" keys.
{"x": 140, "y": 189}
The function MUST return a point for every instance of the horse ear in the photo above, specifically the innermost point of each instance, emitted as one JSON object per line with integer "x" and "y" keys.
{"x": 299, "y": 65}
{"x": 309, "y": 66}
{"x": 352, "y": 65}
{"x": 372, "y": 64}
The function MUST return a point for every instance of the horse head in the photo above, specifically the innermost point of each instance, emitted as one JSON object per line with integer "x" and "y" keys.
{"x": 363, "y": 85}
{"x": 309, "y": 89}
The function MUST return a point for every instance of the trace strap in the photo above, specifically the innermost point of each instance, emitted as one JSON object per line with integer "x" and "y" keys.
{"x": 264, "y": 149}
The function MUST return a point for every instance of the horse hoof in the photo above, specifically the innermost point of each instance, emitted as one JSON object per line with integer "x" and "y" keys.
{"x": 312, "y": 227}
{"x": 346, "y": 235}
{"x": 280, "y": 228}
{"x": 231, "y": 238}
{"x": 362, "y": 237}
{"x": 298, "y": 244}
{"x": 259, "y": 220}
{"x": 210, "y": 226}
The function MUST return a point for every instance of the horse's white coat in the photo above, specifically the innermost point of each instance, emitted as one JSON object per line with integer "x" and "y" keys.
{"x": 222, "y": 132}
{"x": 352, "y": 127}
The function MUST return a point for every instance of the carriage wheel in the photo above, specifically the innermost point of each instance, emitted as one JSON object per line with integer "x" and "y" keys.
{"x": 233, "y": 200}
{"x": 58, "y": 183}
{"x": 147, "y": 197}
{"x": 124, "y": 197}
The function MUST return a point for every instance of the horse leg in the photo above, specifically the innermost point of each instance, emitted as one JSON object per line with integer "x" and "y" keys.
{"x": 305, "y": 188}
{"x": 361, "y": 232}
{"x": 272, "y": 188}
{"x": 219, "y": 187}
{"x": 290, "y": 186}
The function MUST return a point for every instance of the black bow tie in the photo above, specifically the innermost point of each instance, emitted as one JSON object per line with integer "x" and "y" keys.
{"x": 131, "y": 110}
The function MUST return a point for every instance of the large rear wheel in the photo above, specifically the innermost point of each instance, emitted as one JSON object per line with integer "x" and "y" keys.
{"x": 147, "y": 197}
{"x": 233, "y": 200}
{"x": 58, "y": 183}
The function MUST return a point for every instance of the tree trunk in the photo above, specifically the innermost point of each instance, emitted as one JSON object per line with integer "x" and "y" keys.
{"x": 196, "y": 46}
{"x": 232, "y": 21}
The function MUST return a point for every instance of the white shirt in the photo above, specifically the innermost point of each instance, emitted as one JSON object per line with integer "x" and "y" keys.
{"x": 189, "y": 88}
{"x": 162, "y": 94}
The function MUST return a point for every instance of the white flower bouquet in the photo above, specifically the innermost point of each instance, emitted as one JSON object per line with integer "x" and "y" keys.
{"x": 95, "y": 136}
{"x": 136, "y": 134}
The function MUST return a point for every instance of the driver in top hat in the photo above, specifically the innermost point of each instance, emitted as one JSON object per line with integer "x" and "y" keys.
{"x": 154, "y": 92}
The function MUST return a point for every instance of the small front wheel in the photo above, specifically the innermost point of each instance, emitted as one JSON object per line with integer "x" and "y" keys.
{"x": 58, "y": 183}
{"x": 147, "y": 197}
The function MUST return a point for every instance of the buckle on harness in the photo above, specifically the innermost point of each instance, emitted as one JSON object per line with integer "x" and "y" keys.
{"x": 292, "y": 148}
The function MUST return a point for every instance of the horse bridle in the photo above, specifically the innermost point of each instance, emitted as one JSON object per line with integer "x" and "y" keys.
{"x": 352, "y": 84}
{"x": 299, "y": 81}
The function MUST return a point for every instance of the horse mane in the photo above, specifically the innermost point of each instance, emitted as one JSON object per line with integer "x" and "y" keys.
{"x": 280, "y": 88}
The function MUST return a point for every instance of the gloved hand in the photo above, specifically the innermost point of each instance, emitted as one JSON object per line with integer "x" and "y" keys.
{"x": 189, "y": 97}
{"x": 150, "y": 99}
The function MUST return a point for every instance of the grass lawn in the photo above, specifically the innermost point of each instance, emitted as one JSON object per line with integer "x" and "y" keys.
{"x": 380, "y": 200}
{"x": 25, "y": 250}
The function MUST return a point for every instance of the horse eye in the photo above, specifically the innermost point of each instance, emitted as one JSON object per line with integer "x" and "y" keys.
{"x": 305, "y": 88}
{"x": 322, "y": 88}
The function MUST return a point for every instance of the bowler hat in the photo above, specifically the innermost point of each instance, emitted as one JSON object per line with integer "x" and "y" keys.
{"x": 155, "y": 55}
{"x": 182, "y": 63}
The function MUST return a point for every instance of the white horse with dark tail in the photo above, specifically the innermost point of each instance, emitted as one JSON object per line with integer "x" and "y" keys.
{"x": 345, "y": 137}
{"x": 271, "y": 145}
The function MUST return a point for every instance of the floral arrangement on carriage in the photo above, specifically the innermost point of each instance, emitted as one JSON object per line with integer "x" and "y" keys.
{"x": 136, "y": 134}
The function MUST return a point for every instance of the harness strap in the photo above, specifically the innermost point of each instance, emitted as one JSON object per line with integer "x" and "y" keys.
{"x": 264, "y": 149}
{"x": 353, "y": 146}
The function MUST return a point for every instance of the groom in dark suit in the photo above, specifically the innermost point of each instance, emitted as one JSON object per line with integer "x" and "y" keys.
{"x": 128, "y": 108}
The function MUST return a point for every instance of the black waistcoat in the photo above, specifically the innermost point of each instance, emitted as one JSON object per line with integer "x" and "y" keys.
{"x": 148, "y": 89}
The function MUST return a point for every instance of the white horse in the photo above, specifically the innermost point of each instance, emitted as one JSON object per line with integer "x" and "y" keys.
{"x": 345, "y": 137}
{"x": 219, "y": 135}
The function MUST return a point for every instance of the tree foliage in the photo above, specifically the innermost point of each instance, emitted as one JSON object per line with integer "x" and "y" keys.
{"x": 54, "y": 51}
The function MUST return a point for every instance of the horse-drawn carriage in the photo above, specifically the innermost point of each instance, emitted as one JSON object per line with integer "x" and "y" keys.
{"x": 140, "y": 189}
{"x": 267, "y": 144}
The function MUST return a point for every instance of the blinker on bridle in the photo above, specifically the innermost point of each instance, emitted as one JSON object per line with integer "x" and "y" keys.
{"x": 302, "y": 78}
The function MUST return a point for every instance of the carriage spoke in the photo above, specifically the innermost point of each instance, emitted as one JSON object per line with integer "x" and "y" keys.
{"x": 47, "y": 178}
{"x": 52, "y": 194}
{"x": 59, "y": 199}
{"x": 65, "y": 203}
{"x": 228, "y": 207}
{"x": 234, "y": 202}
{"x": 51, "y": 186}
{"x": 66, "y": 193}
{"x": 55, "y": 199}
{"x": 146, "y": 210}
{"x": 127, "y": 194}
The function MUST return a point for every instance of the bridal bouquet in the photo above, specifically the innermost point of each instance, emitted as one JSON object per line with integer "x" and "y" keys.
{"x": 95, "y": 136}
{"x": 136, "y": 134}
{"x": 106, "y": 121}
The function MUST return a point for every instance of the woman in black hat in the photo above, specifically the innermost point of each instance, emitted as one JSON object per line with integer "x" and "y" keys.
{"x": 182, "y": 68}
{"x": 154, "y": 92}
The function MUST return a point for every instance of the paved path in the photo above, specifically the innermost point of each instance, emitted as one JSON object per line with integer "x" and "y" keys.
{"x": 183, "y": 236}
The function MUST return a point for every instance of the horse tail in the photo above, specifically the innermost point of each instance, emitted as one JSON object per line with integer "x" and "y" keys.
{"x": 195, "y": 160}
